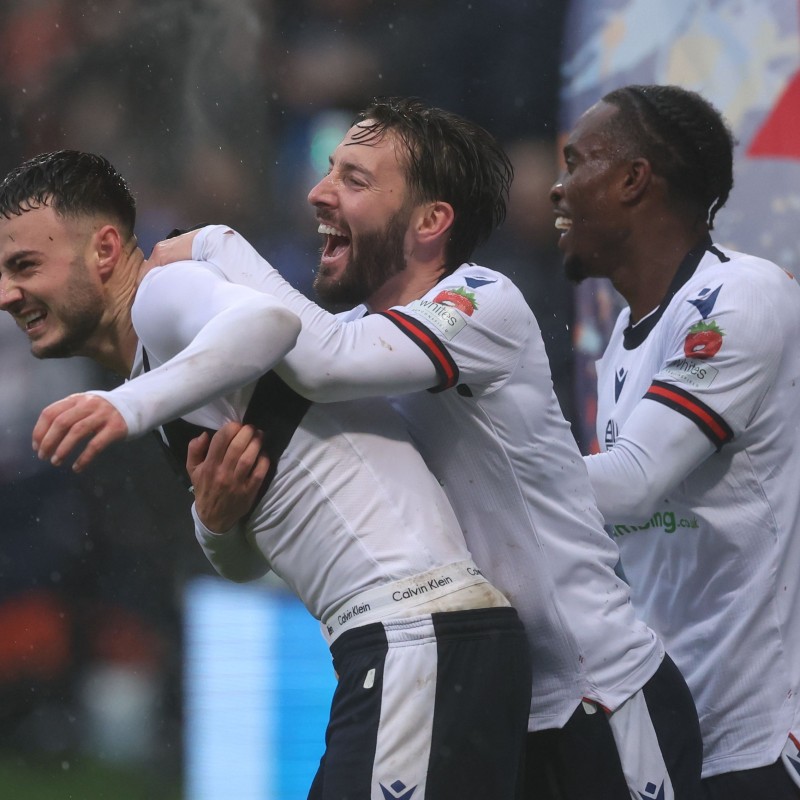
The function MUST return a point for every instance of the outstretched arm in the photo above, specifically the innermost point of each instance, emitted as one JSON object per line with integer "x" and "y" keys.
{"x": 209, "y": 336}
{"x": 342, "y": 357}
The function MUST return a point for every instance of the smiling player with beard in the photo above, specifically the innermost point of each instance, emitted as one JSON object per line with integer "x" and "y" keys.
{"x": 412, "y": 190}
{"x": 434, "y": 675}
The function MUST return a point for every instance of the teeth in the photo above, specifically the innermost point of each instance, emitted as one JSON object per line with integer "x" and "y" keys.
{"x": 26, "y": 320}
{"x": 329, "y": 230}
{"x": 563, "y": 223}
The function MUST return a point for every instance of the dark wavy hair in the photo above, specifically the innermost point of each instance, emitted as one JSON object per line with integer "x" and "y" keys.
{"x": 449, "y": 159}
{"x": 73, "y": 184}
{"x": 685, "y": 139}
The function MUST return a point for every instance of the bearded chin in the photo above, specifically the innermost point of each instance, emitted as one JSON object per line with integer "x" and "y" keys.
{"x": 376, "y": 257}
{"x": 72, "y": 343}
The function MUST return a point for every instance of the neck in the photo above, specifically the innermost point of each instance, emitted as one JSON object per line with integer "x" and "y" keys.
{"x": 115, "y": 346}
{"x": 415, "y": 281}
{"x": 645, "y": 274}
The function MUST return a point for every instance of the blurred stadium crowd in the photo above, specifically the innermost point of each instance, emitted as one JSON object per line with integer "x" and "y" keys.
{"x": 215, "y": 111}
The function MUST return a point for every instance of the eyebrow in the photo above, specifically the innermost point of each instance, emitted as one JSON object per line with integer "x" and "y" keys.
{"x": 350, "y": 166}
{"x": 12, "y": 260}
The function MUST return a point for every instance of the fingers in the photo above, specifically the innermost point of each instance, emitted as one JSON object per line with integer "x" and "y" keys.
{"x": 196, "y": 452}
{"x": 230, "y": 456}
{"x": 179, "y": 248}
{"x": 64, "y": 424}
{"x": 227, "y": 478}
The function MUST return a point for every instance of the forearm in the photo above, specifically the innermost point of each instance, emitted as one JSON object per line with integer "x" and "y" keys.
{"x": 656, "y": 450}
{"x": 231, "y": 553}
{"x": 332, "y": 359}
{"x": 232, "y": 350}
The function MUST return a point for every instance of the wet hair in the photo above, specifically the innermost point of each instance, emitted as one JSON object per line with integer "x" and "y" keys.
{"x": 685, "y": 139}
{"x": 73, "y": 184}
{"x": 449, "y": 159}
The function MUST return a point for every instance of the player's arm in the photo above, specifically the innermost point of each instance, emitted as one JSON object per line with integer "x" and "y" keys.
{"x": 227, "y": 471}
{"x": 693, "y": 407}
{"x": 212, "y": 337}
{"x": 338, "y": 359}
{"x": 654, "y": 452}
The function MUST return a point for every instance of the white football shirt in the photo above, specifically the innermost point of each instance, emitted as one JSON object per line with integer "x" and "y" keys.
{"x": 715, "y": 564}
{"x": 352, "y": 505}
{"x": 492, "y": 432}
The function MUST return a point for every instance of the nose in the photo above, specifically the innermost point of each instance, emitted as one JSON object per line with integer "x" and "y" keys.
{"x": 10, "y": 293}
{"x": 557, "y": 192}
{"x": 323, "y": 193}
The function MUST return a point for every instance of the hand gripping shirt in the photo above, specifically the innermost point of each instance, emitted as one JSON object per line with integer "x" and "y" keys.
{"x": 714, "y": 564}
{"x": 351, "y": 507}
{"x": 492, "y": 432}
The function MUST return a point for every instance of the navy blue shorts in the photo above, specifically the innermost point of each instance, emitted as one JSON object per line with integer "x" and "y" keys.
{"x": 433, "y": 707}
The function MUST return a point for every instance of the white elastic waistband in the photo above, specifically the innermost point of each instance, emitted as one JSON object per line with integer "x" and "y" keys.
{"x": 391, "y": 598}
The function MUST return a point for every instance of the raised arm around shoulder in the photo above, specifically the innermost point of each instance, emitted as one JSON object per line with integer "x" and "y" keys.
{"x": 335, "y": 358}
{"x": 208, "y": 336}
{"x": 656, "y": 450}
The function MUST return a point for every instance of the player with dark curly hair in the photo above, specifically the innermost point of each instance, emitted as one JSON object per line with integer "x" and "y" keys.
{"x": 697, "y": 417}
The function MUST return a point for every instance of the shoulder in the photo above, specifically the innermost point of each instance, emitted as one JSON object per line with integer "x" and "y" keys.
{"x": 727, "y": 281}
{"x": 167, "y": 294}
{"x": 478, "y": 293}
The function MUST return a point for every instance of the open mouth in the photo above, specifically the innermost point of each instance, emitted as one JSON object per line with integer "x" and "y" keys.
{"x": 563, "y": 223}
{"x": 31, "y": 321}
{"x": 336, "y": 242}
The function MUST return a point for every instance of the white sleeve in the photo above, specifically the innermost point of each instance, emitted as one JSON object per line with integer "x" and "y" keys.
{"x": 332, "y": 359}
{"x": 209, "y": 336}
{"x": 231, "y": 553}
{"x": 470, "y": 326}
{"x": 656, "y": 450}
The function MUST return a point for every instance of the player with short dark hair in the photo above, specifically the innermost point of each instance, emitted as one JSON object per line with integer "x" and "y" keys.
{"x": 434, "y": 675}
{"x": 460, "y": 353}
{"x": 697, "y": 419}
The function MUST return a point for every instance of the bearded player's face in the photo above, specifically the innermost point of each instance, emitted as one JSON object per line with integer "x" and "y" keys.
{"x": 363, "y": 212}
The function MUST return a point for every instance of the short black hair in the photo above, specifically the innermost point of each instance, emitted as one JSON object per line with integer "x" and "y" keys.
{"x": 449, "y": 159}
{"x": 73, "y": 184}
{"x": 683, "y": 136}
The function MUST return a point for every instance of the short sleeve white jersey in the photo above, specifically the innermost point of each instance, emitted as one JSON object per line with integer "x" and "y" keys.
{"x": 714, "y": 567}
{"x": 352, "y": 505}
{"x": 492, "y": 432}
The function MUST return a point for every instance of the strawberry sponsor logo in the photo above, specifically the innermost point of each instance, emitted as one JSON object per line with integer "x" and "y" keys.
{"x": 459, "y": 298}
{"x": 703, "y": 340}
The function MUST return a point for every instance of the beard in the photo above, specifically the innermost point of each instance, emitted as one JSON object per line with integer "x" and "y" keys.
{"x": 376, "y": 257}
{"x": 79, "y": 313}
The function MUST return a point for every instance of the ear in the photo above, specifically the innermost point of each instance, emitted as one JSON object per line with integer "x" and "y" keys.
{"x": 434, "y": 221}
{"x": 108, "y": 249}
{"x": 638, "y": 175}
